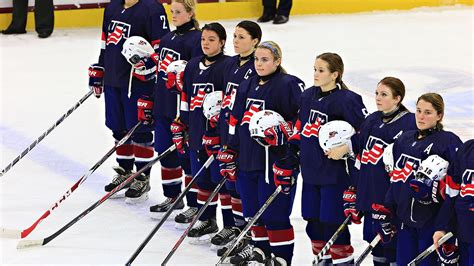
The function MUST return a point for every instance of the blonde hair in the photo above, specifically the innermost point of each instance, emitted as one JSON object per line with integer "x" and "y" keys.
{"x": 275, "y": 50}
{"x": 189, "y": 6}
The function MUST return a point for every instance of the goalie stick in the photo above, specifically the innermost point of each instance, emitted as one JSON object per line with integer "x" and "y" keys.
{"x": 13, "y": 233}
{"x": 41, "y": 242}
{"x": 168, "y": 212}
{"x": 46, "y": 133}
{"x": 250, "y": 224}
{"x": 430, "y": 250}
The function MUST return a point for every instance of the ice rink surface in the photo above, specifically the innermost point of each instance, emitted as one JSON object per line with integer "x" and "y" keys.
{"x": 429, "y": 49}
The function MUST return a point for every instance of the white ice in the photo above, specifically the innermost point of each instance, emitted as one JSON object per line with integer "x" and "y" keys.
{"x": 430, "y": 49}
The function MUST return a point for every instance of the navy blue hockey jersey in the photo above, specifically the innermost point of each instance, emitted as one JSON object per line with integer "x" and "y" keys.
{"x": 199, "y": 80}
{"x": 460, "y": 194}
{"x": 369, "y": 144}
{"x": 234, "y": 74}
{"x": 173, "y": 47}
{"x": 147, "y": 19}
{"x": 316, "y": 110}
{"x": 408, "y": 153}
{"x": 281, "y": 94}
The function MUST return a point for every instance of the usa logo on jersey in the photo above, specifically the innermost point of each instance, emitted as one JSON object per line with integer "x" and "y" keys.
{"x": 199, "y": 92}
{"x": 404, "y": 167}
{"x": 229, "y": 96}
{"x": 252, "y": 106}
{"x": 373, "y": 151}
{"x": 167, "y": 56}
{"x": 117, "y": 31}
{"x": 467, "y": 186}
{"x": 315, "y": 121}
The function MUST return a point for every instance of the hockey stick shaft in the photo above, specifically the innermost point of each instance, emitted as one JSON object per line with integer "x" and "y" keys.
{"x": 168, "y": 213}
{"x": 32, "y": 243}
{"x": 40, "y": 138}
{"x": 333, "y": 238}
{"x": 430, "y": 250}
{"x": 27, "y": 231}
{"x": 366, "y": 252}
{"x": 200, "y": 212}
{"x": 250, "y": 224}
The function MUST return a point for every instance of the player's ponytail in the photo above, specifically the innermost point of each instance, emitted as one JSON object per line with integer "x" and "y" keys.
{"x": 397, "y": 88}
{"x": 334, "y": 64}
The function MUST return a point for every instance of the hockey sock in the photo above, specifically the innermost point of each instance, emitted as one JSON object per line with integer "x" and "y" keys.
{"x": 191, "y": 196}
{"x": 171, "y": 180}
{"x": 315, "y": 231}
{"x": 143, "y": 150}
{"x": 282, "y": 242}
{"x": 210, "y": 211}
{"x": 226, "y": 207}
{"x": 260, "y": 238}
{"x": 125, "y": 157}
{"x": 237, "y": 210}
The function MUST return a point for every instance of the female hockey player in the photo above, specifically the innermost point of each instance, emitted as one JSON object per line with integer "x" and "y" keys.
{"x": 324, "y": 177}
{"x": 180, "y": 44}
{"x": 122, "y": 20}
{"x": 272, "y": 89}
{"x": 380, "y": 129}
{"x": 413, "y": 193}
{"x": 203, "y": 75}
{"x": 247, "y": 36}
{"x": 459, "y": 204}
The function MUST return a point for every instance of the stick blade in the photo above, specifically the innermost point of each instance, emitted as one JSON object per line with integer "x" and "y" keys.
{"x": 22, "y": 244}
{"x": 10, "y": 233}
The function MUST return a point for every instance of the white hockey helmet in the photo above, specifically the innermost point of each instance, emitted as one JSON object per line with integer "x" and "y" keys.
{"x": 177, "y": 66}
{"x": 135, "y": 48}
{"x": 211, "y": 106}
{"x": 335, "y": 133}
{"x": 434, "y": 168}
{"x": 387, "y": 158}
{"x": 261, "y": 121}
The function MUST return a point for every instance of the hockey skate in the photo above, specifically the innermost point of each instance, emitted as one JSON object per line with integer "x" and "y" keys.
{"x": 121, "y": 176}
{"x": 158, "y": 211}
{"x": 202, "y": 232}
{"x": 224, "y": 237}
{"x": 249, "y": 255}
{"x": 138, "y": 191}
{"x": 183, "y": 219}
{"x": 242, "y": 243}
{"x": 276, "y": 261}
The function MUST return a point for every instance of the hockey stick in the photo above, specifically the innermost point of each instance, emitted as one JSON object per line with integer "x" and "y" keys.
{"x": 366, "y": 252}
{"x": 250, "y": 224}
{"x": 333, "y": 238}
{"x": 32, "y": 145}
{"x": 429, "y": 250}
{"x": 41, "y": 242}
{"x": 168, "y": 212}
{"x": 12, "y": 233}
{"x": 200, "y": 212}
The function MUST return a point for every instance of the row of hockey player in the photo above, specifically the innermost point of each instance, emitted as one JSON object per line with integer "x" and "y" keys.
{"x": 165, "y": 85}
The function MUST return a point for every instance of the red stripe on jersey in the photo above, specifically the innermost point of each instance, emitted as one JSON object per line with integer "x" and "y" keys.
{"x": 298, "y": 126}
{"x": 143, "y": 151}
{"x": 102, "y": 38}
{"x": 196, "y": 101}
{"x": 249, "y": 113}
{"x": 165, "y": 63}
{"x": 373, "y": 155}
{"x": 125, "y": 150}
{"x": 171, "y": 173}
{"x": 451, "y": 184}
{"x": 259, "y": 231}
{"x": 236, "y": 204}
{"x": 225, "y": 199}
{"x": 233, "y": 121}
{"x": 467, "y": 190}
{"x": 285, "y": 235}
{"x": 203, "y": 195}
{"x": 402, "y": 174}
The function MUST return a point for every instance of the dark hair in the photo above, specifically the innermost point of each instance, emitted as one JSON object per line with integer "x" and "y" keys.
{"x": 252, "y": 28}
{"x": 396, "y": 87}
{"x": 335, "y": 64}
{"x": 217, "y": 28}
{"x": 438, "y": 104}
